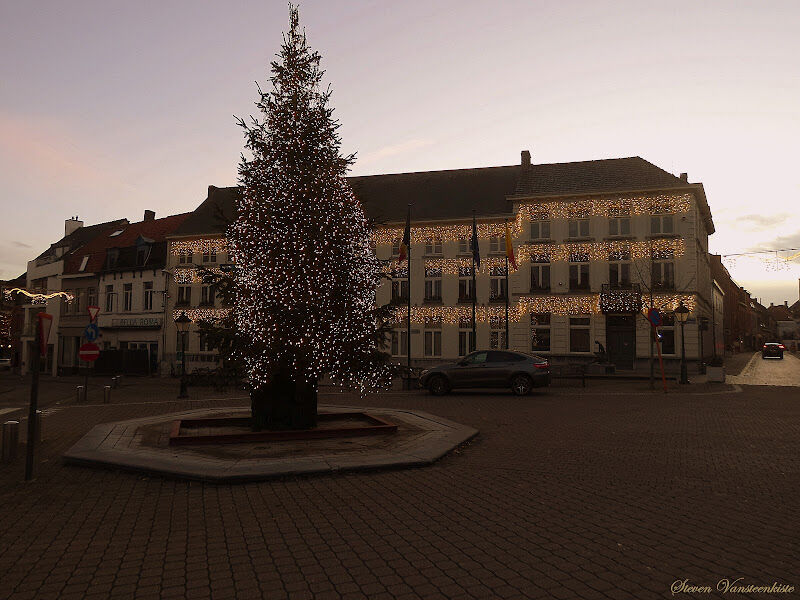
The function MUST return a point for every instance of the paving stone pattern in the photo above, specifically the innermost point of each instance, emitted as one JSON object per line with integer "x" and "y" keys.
{"x": 565, "y": 494}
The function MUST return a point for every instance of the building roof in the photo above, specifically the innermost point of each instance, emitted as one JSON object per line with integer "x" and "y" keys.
{"x": 454, "y": 194}
{"x": 153, "y": 231}
{"x": 214, "y": 215}
{"x": 780, "y": 312}
{"x": 594, "y": 176}
{"x": 80, "y": 237}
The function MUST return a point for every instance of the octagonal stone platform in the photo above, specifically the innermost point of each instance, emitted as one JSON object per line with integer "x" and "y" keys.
{"x": 143, "y": 445}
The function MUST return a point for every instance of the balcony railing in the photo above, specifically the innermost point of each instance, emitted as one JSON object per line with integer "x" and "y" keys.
{"x": 465, "y": 298}
{"x": 615, "y": 299}
{"x": 663, "y": 286}
{"x": 399, "y": 300}
{"x": 497, "y": 297}
{"x": 539, "y": 289}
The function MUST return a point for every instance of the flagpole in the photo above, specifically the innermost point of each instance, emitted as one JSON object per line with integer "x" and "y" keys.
{"x": 474, "y": 340}
{"x": 408, "y": 316}
{"x": 508, "y": 293}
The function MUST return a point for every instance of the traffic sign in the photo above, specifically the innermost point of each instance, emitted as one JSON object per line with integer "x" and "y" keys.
{"x": 92, "y": 332}
{"x": 93, "y": 311}
{"x": 654, "y": 317}
{"x": 89, "y": 352}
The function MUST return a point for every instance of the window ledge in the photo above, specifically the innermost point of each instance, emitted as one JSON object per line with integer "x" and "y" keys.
{"x": 622, "y": 238}
{"x": 541, "y": 241}
{"x": 579, "y": 239}
{"x": 664, "y": 236}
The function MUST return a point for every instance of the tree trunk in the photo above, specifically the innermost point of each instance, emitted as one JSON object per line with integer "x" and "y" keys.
{"x": 284, "y": 404}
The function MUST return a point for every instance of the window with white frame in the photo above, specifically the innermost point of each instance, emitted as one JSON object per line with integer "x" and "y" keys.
{"x": 433, "y": 245}
{"x": 148, "y": 295}
{"x": 400, "y": 285}
{"x": 433, "y": 337}
{"x": 466, "y": 290}
{"x": 466, "y": 338}
{"x": 463, "y": 245}
{"x": 540, "y": 275}
{"x": 497, "y": 283}
{"x": 184, "y": 257}
{"x": 127, "y": 297}
{"x": 396, "y": 246}
{"x": 495, "y": 244}
{"x": 540, "y": 332}
{"x": 540, "y": 229}
{"x": 399, "y": 342}
{"x": 579, "y": 334}
{"x": 619, "y": 226}
{"x": 210, "y": 255}
{"x": 578, "y": 228}
{"x": 66, "y": 307}
{"x": 619, "y": 270}
{"x": 662, "y": 224}
{"x": 184, "y": 295}
{"x": 109, "y": 298}
{"x": 207, "y": 295}
{"x": 91, "y": 296}
{"x": 497, "y": 332}
{"x": 663, "y": 275}
{"x": 433, "y": 284}
{"x": 579, "y": 272}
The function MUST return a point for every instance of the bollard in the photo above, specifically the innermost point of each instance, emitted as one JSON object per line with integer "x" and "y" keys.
{"x": 79, "y": 394}
{"x": 39, "y": 426}
{"x": 106, "y": 394}
{"x": 10, "y": 440}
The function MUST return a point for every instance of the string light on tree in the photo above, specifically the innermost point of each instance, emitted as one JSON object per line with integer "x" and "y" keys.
{"x": 305, "y": 274}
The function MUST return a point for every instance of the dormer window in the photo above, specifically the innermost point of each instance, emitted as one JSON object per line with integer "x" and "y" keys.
{"x": 83, "y": 263}
{"x": 112, "y": 256}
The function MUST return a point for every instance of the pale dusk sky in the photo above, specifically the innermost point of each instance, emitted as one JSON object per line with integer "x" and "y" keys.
{"x": 110, "y": 108}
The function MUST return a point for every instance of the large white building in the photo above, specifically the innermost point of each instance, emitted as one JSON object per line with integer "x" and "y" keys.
{"x": 596, "y": 243}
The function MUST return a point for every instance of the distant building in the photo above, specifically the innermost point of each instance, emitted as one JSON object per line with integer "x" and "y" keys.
{"x": 44, "y": 276}
{"x": 121, "y": 271}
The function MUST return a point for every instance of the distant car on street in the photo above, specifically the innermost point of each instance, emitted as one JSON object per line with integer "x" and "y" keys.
{"x": 772, "y": 349}
{"x": 489, "y": 369}
{"x": 5, "y": 364}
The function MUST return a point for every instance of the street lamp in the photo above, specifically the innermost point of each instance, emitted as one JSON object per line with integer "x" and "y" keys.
{"x": 182, "y": 323}
{"x": 682, "y": 314}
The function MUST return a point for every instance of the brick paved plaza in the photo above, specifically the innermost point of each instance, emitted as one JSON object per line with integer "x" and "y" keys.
{"x": 604, "y": 492}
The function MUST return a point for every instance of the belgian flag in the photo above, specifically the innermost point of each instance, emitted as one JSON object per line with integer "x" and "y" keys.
{"x": 406, "y": 243}
{"x": 510, "y": 248}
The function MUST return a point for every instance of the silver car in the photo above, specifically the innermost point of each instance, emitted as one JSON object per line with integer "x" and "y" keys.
{"x": 489, "y": 369}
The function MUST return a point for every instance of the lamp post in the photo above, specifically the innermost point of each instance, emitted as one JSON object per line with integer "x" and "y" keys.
{"x": 182, "y": 323}
{"x": 682, "y": 314}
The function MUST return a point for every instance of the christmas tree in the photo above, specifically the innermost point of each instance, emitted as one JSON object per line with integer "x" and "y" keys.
{"x": 305, "y": 272}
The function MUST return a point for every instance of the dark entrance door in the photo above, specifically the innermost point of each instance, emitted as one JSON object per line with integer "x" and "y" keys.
{"x": 621, "y": 340}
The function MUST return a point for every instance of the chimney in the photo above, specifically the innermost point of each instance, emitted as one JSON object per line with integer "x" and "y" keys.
{"x": 149, "y": 215}
{"x": 786, "y": 303}
{"x": 211, "y": 188}
{"x": 684, "y": 177}
{"x": 71, "y": 225}
{"x": 526, "y": 158}
{"x": 771, "y": 305}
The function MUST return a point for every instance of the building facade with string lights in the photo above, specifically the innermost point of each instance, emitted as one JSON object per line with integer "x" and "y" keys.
{"x": 596, "y": 244}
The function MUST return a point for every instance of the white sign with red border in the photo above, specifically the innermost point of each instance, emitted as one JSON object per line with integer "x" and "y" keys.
{"x": 93, "y": 312}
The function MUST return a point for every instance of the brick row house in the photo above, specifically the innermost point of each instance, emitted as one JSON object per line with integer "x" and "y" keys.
{"x": 122, "y": 271}
{"x": 596, "y": 243}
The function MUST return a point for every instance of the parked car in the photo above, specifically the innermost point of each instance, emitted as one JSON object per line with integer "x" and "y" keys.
{"x": 489, "y": 369}
{"x": 772, "y": 349}
{"x": 5, "y": 364}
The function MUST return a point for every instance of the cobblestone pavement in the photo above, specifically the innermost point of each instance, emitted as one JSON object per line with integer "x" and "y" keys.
{"x": 568, "y": 493}
{"x": 769, "y": 371}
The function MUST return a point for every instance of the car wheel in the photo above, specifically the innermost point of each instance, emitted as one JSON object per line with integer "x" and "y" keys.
{"x": 521, "y": 385}
{"x": 438, "y": 385}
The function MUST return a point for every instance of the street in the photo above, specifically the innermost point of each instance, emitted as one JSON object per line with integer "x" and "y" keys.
{"x": 769, "y": 371}
{"x": 612, "y": 492}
